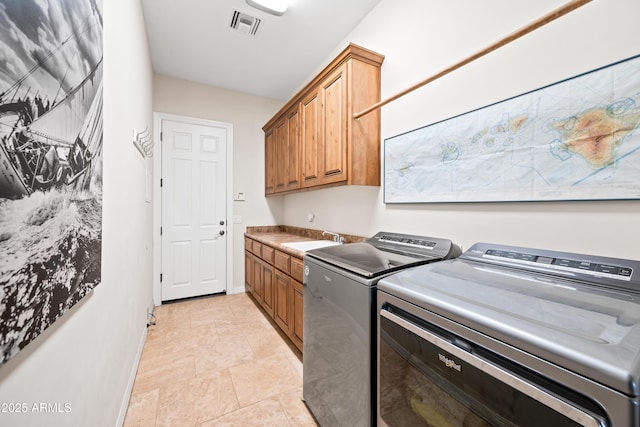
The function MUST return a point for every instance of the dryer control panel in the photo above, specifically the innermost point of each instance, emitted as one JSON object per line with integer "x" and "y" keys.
{"x": 606, "y": 271}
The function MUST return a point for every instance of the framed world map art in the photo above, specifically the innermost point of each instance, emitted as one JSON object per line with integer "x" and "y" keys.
{"x": 578, "y": 139}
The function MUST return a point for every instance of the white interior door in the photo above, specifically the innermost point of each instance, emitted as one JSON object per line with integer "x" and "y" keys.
{"x": 194, "y": 222}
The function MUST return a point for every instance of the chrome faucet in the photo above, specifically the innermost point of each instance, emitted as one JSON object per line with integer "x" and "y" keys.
{"x": 336, "y": 236}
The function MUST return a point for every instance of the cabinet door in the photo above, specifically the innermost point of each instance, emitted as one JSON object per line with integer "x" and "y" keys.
{"x": 267, "y": 287}
{"x": 256, "y": 291}
{"x": 333, "y": 146}
{"x": 309, "y": 139}
{"x": 282, "y": 313}
{"x": 281, "y": 156}
{"x": 269, "y": 165}
{"x": 248, "y": 271}
{"x": 297, "y": 302}
{"x": 293, "y": 150}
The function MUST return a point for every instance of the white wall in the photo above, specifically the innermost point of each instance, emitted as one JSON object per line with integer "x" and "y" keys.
{"x": 247, "y": 114}
{"x": 420, "y": 38}
{"x": 87, "y": 357}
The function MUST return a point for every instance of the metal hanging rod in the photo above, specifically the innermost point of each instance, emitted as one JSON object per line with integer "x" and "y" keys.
{"x": 551, "y": 16}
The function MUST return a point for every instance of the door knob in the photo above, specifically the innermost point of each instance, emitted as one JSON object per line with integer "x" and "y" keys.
{"x": 222, "y": 232}
{"x": 221, "y": 222}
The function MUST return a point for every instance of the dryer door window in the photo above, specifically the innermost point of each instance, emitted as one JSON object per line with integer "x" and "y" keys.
{"x": 429, "y": 380}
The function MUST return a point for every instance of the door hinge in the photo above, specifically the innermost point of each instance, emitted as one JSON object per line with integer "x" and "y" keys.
{"x": 161, "y": 231}
{"x": 161, "y": 277}
{"x": 160, "y": 136}
{"x": 160, "y": 182}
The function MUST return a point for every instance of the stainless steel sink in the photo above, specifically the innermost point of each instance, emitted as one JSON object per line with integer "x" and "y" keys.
{"x": 309, "y": 245}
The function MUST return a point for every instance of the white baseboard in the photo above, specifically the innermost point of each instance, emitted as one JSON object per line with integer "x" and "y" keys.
{"x": 132, "y": 377}
{"x": 236, "y": 291}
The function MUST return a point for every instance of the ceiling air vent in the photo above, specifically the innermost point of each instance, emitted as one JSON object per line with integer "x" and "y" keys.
{"x": 244, "y": 23}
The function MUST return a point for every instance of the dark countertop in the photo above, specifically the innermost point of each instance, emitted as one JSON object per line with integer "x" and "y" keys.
{"x": 276, "y": 235}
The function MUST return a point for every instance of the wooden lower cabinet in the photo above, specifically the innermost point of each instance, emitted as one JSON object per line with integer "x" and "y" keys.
{"x": 256, "y": 290}
{"x": 267, "y": 287}
{"x": 248, "y": 271}
{"x": 261, "y": 282}
{"x": 297, "y": 303}
{"x": 274, "y": 279}
{"x": 282, "y": 314}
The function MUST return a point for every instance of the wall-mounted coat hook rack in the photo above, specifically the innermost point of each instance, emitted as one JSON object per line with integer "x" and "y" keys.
{"x": 143, "y": 142}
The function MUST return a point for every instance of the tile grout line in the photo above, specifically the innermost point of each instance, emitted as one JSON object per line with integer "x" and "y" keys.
{"x": 177, "y": 313}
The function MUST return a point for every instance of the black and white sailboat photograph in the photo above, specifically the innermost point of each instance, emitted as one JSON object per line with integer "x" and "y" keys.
{"x": 50, "y": 162}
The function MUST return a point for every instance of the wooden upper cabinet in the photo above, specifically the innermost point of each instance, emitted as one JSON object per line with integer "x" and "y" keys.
{"x": 281, "y": 160}
{"x": 333, "y": 135}
{"x": 284, "y": 139}
{"x": 318, "y": 142}
{"x": 269, "y": 163}
{"x": 324, "y": 142}
{"x": 309, "y": 139}
{"x": 293, "y": 150}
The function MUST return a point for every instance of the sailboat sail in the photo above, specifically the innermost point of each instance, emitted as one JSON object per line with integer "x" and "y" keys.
{"x": 65, "y": 119}
{"x": 43, "y": 140}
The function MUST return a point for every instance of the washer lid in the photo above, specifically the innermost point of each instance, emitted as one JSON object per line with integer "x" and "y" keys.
{"x": 386, "y": 252}
{"x": 591, "y": 330}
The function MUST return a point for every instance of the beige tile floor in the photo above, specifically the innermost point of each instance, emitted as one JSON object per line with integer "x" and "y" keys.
{"x": 217, "y": 361}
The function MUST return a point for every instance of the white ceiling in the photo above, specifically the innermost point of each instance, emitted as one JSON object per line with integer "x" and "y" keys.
{"x": 192, "y": 40}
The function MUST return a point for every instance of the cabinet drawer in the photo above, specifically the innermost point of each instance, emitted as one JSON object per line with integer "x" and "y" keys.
{"x": 257, "y": 248}
{"x": 282, "y": 261}
{"x": 248, "y": 244}
{"x": 296, "y": 269}
{"x": 267, "y": 253}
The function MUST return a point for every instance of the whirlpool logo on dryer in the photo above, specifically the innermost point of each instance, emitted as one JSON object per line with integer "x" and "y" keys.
{"x": 449, "y": 363}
